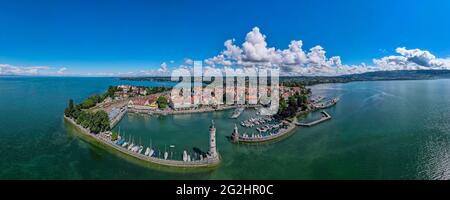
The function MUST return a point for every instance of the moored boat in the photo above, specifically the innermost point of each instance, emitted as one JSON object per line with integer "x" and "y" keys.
{"x": 147, "y": 151}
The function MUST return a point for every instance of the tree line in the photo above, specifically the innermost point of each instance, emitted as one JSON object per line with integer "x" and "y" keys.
{"x": 96, "y": 122}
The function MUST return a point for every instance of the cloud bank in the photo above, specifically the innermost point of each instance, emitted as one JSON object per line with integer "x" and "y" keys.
{"x": 294, "y": 60}
{"x": 7, "y": 69}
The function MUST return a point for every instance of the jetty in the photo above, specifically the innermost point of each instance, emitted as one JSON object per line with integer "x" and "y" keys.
{"x": 245, "y": 138}
{"x": 325, "y": 117}
{"x": 211, "y": 159}
{"x": 116, "y": 117}
{"x": 327, "y": 104}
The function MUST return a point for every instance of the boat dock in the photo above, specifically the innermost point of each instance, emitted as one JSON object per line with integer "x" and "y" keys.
{"x": 237, "y": 112}
{"x": 237, "y": 138}
{"x": 325, "y": 117}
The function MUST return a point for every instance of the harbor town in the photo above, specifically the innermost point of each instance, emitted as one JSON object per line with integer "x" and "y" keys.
{"x": 99, "y": 115}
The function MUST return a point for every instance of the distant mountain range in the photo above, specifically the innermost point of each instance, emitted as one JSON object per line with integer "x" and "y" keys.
{"x": 369, "y": 76}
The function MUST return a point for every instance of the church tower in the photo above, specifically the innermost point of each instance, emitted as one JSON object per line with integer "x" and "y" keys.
{"x": 212, "y": 141}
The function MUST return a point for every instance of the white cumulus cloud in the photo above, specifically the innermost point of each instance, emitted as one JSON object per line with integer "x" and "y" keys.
{"x": 254, "y": 52}
{"x": 7, "y": 69}
{"x": 61, "y": 70}
{"x": 411, "y": 59}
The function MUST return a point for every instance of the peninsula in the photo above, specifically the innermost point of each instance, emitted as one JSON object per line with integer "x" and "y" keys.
{"x": 99, "y": 114}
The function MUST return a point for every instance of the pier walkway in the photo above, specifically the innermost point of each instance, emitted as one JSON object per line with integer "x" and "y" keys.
{"x": 188, "y": 111}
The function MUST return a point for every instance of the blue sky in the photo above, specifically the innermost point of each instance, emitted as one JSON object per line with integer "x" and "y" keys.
{"x": 122, "y": 36}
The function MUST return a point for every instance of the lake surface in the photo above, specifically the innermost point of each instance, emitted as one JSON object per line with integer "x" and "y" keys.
{"x": 379, "y": 130}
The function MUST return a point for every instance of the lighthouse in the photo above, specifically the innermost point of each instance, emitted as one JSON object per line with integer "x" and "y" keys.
{"x": 212, "y": 141}
{"x": 235, "y": 134}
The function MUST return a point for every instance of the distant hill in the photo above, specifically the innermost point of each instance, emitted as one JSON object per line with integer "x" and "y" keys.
{"x": 369, "y": 76}
{"x": 155, "y": 78}
{"x": 402, "y": 75}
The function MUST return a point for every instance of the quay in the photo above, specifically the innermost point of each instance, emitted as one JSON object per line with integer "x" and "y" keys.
{"x": 237, "y": 138}
{"x": 325, "y": 117}
{"x": 211, "y": 160}
{"x": 328, "y": 104}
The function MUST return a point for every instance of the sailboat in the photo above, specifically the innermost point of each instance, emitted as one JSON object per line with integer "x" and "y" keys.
{"x": 131, "y": 145}
{"x": 140, "y": 147}
{"x": 147, "y": 151}
{"x": 135, "y": 149}
{"x": 151, "y": 152}
{"x": 185, "y": 156}
{"x": 151, "y": 149}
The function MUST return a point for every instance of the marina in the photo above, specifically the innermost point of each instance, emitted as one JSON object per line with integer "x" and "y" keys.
{"x": 155, "y": 156}
{"x": 255, "y": 121}
{"x": 285, "y": 128}
{"x": 318, "y": 105}
{"x": 325, "y": 117}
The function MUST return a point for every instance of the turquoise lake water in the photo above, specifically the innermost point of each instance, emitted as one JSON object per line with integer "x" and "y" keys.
{"x": 379, "y": 130}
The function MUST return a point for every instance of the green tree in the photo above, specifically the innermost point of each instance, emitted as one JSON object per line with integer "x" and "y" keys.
{"x": 110, "y": 92}
{"x": 283, "y": 105}
{"x": 71, "y": 107}
{"x": 91, "y": 101}
{"x": 292, "y": 102}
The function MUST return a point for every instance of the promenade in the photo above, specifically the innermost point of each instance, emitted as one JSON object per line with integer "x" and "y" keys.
{"x": 188, "y": 111}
